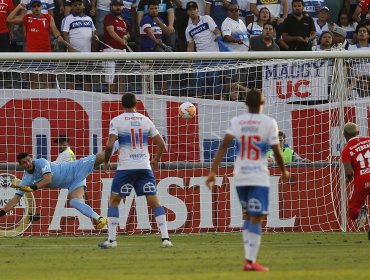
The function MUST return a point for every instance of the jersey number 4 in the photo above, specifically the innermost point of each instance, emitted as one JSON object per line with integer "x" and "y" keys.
{"x": 361, "y": 159}
{"x": 249, "y": 148}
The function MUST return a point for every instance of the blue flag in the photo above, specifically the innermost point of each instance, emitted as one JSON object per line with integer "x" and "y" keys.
{"x": 222, "y": 46}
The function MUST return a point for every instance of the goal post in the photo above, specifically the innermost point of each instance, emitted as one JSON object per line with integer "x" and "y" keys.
{"x": 310, "y": 94}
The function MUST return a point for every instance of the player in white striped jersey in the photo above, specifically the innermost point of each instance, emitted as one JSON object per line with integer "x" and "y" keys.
{"x": 134, "y": 170}
{"x": 255, "y": 133}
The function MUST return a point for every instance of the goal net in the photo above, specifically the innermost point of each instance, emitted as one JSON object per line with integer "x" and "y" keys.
{"x": 76, "y": 95}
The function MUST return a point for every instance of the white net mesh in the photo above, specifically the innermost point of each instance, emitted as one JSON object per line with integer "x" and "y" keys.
{"x": 311, "y": 99}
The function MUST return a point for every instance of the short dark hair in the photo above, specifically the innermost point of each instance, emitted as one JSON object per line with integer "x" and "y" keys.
{"x": 254, "y": 98}
{"x": 128, "y": 100}
{"x": 153, "y": 3}
{"x": 281, "y": 134}
{"x": 21, "y": 156}
{"x": 361, "y": 26}
{"x": 269, "y": 23}
{"x": 295, "y": 1}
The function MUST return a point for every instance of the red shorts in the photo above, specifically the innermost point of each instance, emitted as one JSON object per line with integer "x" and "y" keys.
{"x": 357, "y": 200}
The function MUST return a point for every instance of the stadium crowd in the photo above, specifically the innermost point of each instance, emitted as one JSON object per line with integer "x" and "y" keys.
{"x": 182, "y": 25}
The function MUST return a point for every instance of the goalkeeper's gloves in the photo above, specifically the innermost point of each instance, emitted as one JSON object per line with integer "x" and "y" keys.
{"x": 16, "y": 182}
{"x": 2, "y": 213}
{"x": 28, "y": 188}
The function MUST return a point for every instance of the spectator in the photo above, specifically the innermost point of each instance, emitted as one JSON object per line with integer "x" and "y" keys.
{"x": 204, "y": 39}
{"x": 65, "y": 152}
{"x": 255, "y": 28}
{"x": 362, "y": 88}
{"x": 325, "y": 42}
{"x": 288, "y": 154}
{"x": 237, "y": 92}
{"x": 362, "y": 12}
{"x": 346, "y": 22}
{"x": 47, "y": 6}
{"x": 181, "y": 22}
{"x": 152, "y": 28}
{"x": 202, "y": 33}
{"x": 78, "y": 31}
{"x": 166, "y": 13}
{"x": 313, "y": 7}
{"x": 87, "y": 9}
{"x": 245, "y": 13}
{"x": 362, "y": 34}
{"x": 264, "y": 42}
{"x": 6, "y": 7}
{"x": 116, "y": 35}
{"x": 339, "y": 38}
{"x": 217, "y": 10}
{"x": 99, "y": 10}
{"x": 274, "y": 9}
{"x": 234, "y": 31}
{"x": 298, "y": 29}
{"x": 37, "y": 27}
{"x": 322, "y": 22}
{"x": 350, "y": 6}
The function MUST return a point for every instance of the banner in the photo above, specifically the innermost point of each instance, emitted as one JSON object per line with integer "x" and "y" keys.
{"x": 296, "y": 81}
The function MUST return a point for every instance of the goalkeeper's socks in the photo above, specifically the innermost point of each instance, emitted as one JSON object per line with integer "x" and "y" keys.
{"x": 112, "y": 222}
{"x": 245, "y": 236}
{"x": 254, "y": 241}
{"x": 160, "y": 218}
{"x": 85, "y": 209}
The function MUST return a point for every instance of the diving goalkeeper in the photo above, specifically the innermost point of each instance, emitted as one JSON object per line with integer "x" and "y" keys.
{"x": 40, "y": 173}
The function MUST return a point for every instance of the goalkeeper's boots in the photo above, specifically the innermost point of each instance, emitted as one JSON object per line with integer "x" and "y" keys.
{"x": 101, "y": 223}
{"x": 362, "y": 216}
{"x": 108, "y": 244}
{"x": 254, "y": 266}
{"x": 166, "y": 243}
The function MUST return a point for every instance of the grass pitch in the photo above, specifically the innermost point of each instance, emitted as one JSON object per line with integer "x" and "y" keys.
{"x": 204, "y": 256}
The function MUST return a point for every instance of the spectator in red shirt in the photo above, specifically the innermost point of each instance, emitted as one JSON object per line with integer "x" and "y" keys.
{"x": 37, "y": 27}
{"x": 116, "y": 36}
{"x": 362, "y": 12}
{"x": 6, "y": 6}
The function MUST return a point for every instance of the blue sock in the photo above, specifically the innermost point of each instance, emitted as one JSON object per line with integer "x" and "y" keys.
{"x": 245, "y": 225}
{"x": 113, "y": 212}
{"x": 255, "y": 228}
{"x": 159, "y": 211}
{"x": 85, "y": 209}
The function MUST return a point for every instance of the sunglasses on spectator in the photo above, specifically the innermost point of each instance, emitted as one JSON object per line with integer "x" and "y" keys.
{"x": 36, "y": 6}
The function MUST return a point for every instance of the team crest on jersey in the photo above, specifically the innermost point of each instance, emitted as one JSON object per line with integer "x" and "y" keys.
{"x": 20, "y": 218}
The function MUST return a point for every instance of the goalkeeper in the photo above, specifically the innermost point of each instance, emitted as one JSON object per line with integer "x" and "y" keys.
{"x": 40, "y": 173}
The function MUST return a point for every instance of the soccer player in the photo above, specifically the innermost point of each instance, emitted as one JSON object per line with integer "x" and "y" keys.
{"x": 255, "y": 132}
{"x": 65, "y": 152}
{"x": 134, "y": 170}
{"x": 355, "y": 158}
{"x": 40, "y": 173}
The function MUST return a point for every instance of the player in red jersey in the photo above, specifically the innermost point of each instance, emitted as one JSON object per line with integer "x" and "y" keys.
{"x": 356, "y": 161}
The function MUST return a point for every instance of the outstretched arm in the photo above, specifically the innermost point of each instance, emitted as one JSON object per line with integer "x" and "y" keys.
{"x": 10, "y": 205}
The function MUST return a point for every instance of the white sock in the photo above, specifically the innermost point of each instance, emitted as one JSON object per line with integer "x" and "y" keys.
{"x": 245, "y": 241}
{"x": 162, "y": 225}
{"x": 253, "y": 245}
{"x": 112, "y": 228}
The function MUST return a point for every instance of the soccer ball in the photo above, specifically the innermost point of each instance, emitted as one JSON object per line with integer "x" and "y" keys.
{"x": 187, "y": 110}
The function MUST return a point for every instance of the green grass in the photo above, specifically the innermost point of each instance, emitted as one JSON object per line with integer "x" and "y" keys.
{"x": 205, "y": 256}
